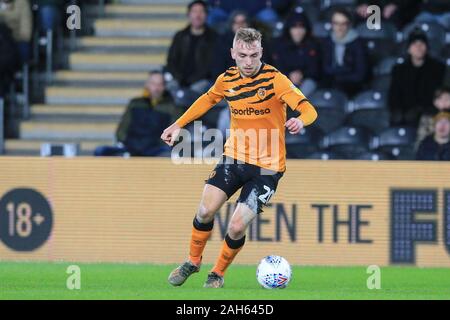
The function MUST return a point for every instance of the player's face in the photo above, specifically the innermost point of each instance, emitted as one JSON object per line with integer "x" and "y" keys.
{"x": 247, "y": 57}
{"x": 155, "y": 85}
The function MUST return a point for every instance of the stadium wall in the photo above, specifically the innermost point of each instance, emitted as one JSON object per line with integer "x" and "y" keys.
{"x": 141, "y": 210}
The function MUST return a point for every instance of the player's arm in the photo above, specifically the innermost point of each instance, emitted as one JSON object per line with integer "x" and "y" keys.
{"x": 205, "y": 102}
{"x": 294, "y": 98}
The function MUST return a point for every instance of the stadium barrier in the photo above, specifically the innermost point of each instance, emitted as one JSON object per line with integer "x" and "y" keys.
{"x": 141, "y": 210}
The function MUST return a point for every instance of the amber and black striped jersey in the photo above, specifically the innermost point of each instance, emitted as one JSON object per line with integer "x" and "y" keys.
{"x": 258, "y": 114}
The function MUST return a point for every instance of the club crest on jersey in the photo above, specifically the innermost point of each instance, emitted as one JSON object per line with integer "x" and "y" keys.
{"x": 261, "y": 93}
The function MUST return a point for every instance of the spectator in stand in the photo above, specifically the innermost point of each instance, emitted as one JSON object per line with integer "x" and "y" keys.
{"x": 191, "y": 52}
{"x": 140, "y": 128}
{"x": 399, "y": 12}
{"x": 344, "y": 56}
{"x": 437, "y": 11}
{"x": 414, "y": 82}
{"x": 222, "y": 55}
{"x": 16, "y": 14}
{"x": 437, "y": 146}
{"x": 297, "y": 53}
{"x": 442, "y": 104}
{"x": 9, "y": 62}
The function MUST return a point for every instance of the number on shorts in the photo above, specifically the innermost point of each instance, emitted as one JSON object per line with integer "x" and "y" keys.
{"x": 266, "y": 196}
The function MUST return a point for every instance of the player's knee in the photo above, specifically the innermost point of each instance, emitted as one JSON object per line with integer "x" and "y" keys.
{"x": 236, "y": 229}
{"x": 205, "y": 213}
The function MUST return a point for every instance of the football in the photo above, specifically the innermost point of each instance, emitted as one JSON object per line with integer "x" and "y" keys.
{"x": 274, "y": 272}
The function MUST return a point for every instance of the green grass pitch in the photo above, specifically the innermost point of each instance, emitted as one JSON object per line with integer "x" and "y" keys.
{"x": 20, "y": 280}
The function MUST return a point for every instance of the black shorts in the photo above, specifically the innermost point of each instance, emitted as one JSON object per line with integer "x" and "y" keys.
{"x": 258, "y": 185}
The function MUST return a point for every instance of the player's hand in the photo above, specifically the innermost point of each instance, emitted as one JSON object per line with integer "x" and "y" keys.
{"x": 294, "y": 125}
{"x": 170, "y": 134}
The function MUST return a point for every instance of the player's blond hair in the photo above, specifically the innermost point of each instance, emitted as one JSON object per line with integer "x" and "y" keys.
{"x": 247, "y": 35}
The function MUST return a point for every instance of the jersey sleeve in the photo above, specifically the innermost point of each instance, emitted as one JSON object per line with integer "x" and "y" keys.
{"x": 289, "y": 94}
{"x": 205, "y": 102}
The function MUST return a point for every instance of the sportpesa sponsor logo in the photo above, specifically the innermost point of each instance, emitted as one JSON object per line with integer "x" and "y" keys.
{"x": 250, "y": 111}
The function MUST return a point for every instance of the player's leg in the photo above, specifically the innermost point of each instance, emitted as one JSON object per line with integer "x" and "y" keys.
{"x": 255, "y": 194}
{"x": 232, "y": 244}
{"x": 212, "y": 199}
{"x": 223, "y": 182}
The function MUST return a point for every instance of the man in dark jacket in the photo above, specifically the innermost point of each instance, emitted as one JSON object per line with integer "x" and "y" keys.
{"x": 297, "y": 53}
{"x": 191, "y": 52}
{"x": 344, "y": 56}
{"x": 437, "y": 146}
{"x": 414, "y": 83}
{"x": 143, "y": 122}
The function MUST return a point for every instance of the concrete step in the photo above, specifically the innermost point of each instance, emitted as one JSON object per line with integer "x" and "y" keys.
{"x": 120, "y": 44}
{"x": 22, "y": 147}
{"x": 45, "y": 130}
{"x": 138, "y": 27}
{"x": 43, "y": 111}
{"x": 116, "y": 61}
{"x": 91, "y": 78}
{"x": 88, "y": 96}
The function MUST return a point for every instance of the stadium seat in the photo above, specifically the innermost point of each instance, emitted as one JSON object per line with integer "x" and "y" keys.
{"x": 350, "y": 142}
{"x": 333, "y": 3}
{"x": 184, "y": 97}
{"x": 369, "y": 110}
{"x": 384, "y": 67}
{"x": 374, "y": 156}
{"x": 379, "y": 49}
{"x": 299, "y": 146}
{"x": 387, "y": 32}
{"x": 321, "y": 29}
{"x": 381, "y": 83}
{"x": 331, "y": 105}
{"x": 396, "y": 141}
{"x": 325, "y": 155}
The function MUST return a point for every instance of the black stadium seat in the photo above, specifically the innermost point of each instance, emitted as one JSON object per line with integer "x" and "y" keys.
{"x": 299, "y": 146}
{"x": 397, "y": 142}
{"x": 350, "y": 142}
{"x": 384, "y": 67}
{"x": 369, "y": 110}
{"x": 387, "y": 32}
{"x": 379, "y": 49}
{"x": 321, "y": 29}
{"x": 325, "y": 155}
{"x": 381, "y": 83}
{"x": 374, "y": 156}
{"x": 331, "y": 105}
